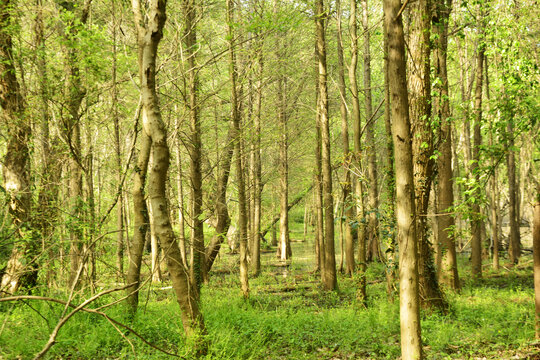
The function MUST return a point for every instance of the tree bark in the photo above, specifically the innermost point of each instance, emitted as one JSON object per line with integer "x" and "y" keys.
{"x": 448, "y": 273}
{"x": 150, "y": 32}
{"x": 21, "y": 269}
{"x": 329, "y": 278}
{"x": 411, "y": 341}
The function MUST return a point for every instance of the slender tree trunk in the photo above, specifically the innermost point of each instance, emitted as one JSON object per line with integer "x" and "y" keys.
{"x": 197, "y": 266}
{"x": 21, "y": 269}
{"x": 242, "y": 214}
{"x": 319, "y": 229}
{"x": 257, "y": 167}
{"x": 476, "y": 223}
{"x": 154, "y": 247}
{"x": 72, "y": 133}
{"x": 348, "y": 200}
{"x": 223, "y": 220}
{"x": 514, "y": 249}
{"x": 390, "y": 180}
{"x": 329, "y": 278}
{"x": 284, "y": 247}
{"x": 536, "y": 256}
{"x": 180, "y": 185}
{"x": 118, "y": 153}
{"x": 411, "y": 341}
{"x": 90, "y": 210}
{"x": 150, "y": 32}
{"x": 448, "y": 273}
{"x": 353, "y": 83}
{"x": 140, "y": 224}
{"x": 374, "y": 248}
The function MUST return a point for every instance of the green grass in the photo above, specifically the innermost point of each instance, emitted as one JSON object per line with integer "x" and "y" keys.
{"x": 288, "y": 317}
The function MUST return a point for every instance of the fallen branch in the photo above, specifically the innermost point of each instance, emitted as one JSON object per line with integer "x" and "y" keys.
{"x": 82, "y": 307}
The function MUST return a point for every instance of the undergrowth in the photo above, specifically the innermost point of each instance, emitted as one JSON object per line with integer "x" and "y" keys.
{"x": 288, "y": 317}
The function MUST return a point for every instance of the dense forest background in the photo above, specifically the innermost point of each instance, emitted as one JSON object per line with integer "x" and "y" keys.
{"x": 290, "y": 172}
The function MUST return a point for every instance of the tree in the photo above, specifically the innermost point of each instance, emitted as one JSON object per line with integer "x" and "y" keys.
{"x": 411, "y": 341}
{"x": 235, "y": 115}
{"x": 198, "y": 264}
{"x": 448, "y": 274}
{"x": 374, "y": 248}
{"x": 536, "y": 257}
{"x": 419, "y": 87}
{"x": 75, "y": 93}
{"x": 149, "y": 34}
{"x": 16, "y": 165}
{"x": 357, "y": 148}
{"x": 348, "y": 200}
{"x": 476, "y": 223}
{"x": 329, "y": 276}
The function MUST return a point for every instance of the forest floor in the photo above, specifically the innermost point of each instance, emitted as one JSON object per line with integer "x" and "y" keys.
{"x": 288, "y": 317}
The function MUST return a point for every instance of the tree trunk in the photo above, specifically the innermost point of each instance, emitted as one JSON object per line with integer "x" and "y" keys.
{"x": 348, "y": 200}
{"x": 223, "y": 219}
{"x": 390, "y": 180}
{"x": 419, "y": 86}
{"x": 155, "y": 247}
{"x": 72, "y": 133}
{"x": 448, "y": 272}
{"x": 140, "y": 224}
{"x": 357, "y": 151}
{"x": 411, "y": 341}
{"x": 257, "y": 167}
{"x": 46, "y": 215}
{"x": 118, "y": 153}
{"x": 514, "y": 248}
{"x": 242, "y": 214}
{"x": 536, "y": 256}
{"x": 180, "y": 185}
{"x": 21, "y": 269}
{"x": 329, "y": 278}
{"x": 374, "y": 248}
{"x": 284, "y": 247}
{"x": 319, "y": 230}
{"x": 476, "y": 221}
{"x": 150, "y": 32}
{"x": 493, "y": 184}
{"x": 197, "y": 266}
